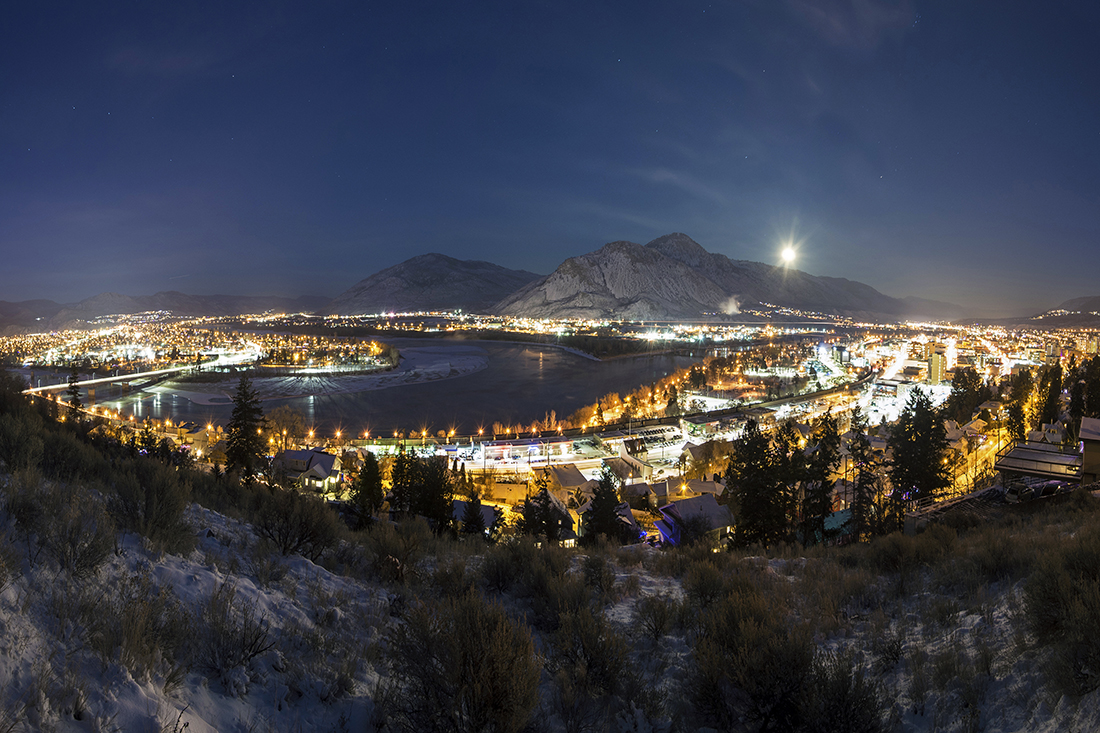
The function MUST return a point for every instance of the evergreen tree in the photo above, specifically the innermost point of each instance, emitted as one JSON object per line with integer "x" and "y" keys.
{"x": 818, "y": 502}
{"x": 73, "y": 392}
{"x": 244, "y": 445}
{"x": 367, "y": 494}
{"x": 602, "y": 517}
{"x": 672, "y": 405}
{"x": 790, "y": 471}
{"x": 919, "y": 471}
{"x": 967, "y": 392}
{"x": 1077, "y": 405}
{"x": 540, "y": 517}
{"x": 433, "y": 497}
{"x": 405, "y": 477}
{"x": 862, "y": 520}
{"x": 755, "y": 488}
{"x": 1092, "y": 387}
{"x": 1050, "y": 391}
{"x": 472, "y": 520}
{"x": 1017, "y": 421}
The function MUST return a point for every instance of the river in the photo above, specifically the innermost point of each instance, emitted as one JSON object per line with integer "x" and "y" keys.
{"x": 513, "y": 383}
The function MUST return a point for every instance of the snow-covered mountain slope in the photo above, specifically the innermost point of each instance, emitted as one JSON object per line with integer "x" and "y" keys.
{"x": 675, "y": 277}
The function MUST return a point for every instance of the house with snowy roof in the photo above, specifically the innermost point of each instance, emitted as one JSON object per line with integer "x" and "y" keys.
{"x": 313, "y": 470}
{"x": 695, "y": 517}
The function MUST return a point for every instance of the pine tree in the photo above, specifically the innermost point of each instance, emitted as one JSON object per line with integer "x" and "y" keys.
{"x": 540, "y": 517}
{"x": 405, "y": 478}
{"x": 473, "y": 522}
{"x": 1050, "y": 391}
{"x": 434, "y": 495}
{"x": 367, "y": 494}
{"x": 862, "y": 520}
{"x": 818, "y": 499}
{"x": 602, "y": 517}
{"x": 1092, "y": 387}
{"x": 789, "y": 463}
{"x": 244, "y": 446}
{"x": 919, "y": 471}
{"x": 73, "y": 392}
{"x": 756, "y": 489}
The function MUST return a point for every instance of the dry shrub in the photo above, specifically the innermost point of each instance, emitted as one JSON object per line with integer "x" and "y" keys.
{"x": 141, "y": 626}
{"x": 230, "y": 634}
{"x": 841, "y": 697}
{"x": 655, "y": 615}
{"x": 593, "y": 677}
{"x": 676, "y": 561}
{"x": 70, "y": 524}
{"x": 450, "y": 578}
{"x": 463, "y": 665}
{"x": 296, "y": 523}
{"x": 599, "y": 575}
{"x": 1000, "y": 555}
{"x": 750, "y": 665}
{"x": 66, "y": 458}
{"x": 703, "y": 585}
{"x": 1062, "y": 604}
{"x": 585, "y": 645}
{"x": 150, "y": 500}
{"x": 21, "y": 444}
{"x": 553, "y": 596}
{"x": 397, "y": 546}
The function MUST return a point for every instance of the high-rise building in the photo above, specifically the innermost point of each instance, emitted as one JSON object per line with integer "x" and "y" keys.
{"x": 937, "y": 365}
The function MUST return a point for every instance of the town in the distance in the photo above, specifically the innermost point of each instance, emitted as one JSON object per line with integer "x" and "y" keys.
{"x": 666, "y": 438}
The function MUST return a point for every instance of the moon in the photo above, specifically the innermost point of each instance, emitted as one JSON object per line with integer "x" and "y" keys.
{"x": 788, "y": 254}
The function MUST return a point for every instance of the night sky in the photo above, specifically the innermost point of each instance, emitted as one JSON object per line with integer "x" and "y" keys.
{"x": 948, "y": 150}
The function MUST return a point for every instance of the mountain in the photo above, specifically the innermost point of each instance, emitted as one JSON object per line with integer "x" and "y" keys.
{"x": 431, "y": 282}
{"x": 1075, "y": 313}
{"x": 675, "y": 277}
{"x": 34, "y": 315}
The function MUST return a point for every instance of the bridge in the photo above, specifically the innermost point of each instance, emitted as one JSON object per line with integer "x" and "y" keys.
{"x": 231, "y": 359}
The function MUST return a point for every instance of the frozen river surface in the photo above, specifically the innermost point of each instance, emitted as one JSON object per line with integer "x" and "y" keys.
{"x": 439, "y": 385}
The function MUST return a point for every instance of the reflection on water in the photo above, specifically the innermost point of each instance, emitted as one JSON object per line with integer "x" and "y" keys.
{"x": 521, "y": 384}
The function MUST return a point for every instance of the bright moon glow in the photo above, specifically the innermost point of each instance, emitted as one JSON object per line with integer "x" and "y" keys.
{"x": 788, "y": 254}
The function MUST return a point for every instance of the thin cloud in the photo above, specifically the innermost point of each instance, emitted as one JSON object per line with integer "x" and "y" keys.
{"x": 854, "y": 24}
{"x": 683, "y": 181}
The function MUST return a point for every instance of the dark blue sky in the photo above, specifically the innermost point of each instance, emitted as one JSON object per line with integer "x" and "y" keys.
{"x": 948, "y": 150}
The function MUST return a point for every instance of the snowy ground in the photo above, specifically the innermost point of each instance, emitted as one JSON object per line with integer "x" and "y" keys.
{"x": 946, "y": 661}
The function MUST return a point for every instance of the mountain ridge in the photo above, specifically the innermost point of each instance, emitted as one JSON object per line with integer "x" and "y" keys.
{"x": 673, "y": 276}
{"x": 430, "y": 282}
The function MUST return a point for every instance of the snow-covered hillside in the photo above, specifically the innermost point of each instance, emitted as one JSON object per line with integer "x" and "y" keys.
{"x": 930, "y": 632}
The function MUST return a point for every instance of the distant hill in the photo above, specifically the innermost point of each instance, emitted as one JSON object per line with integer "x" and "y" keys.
{"x": 431, "y": 282}
{"x": 34, "y": 315}
{"x": 675, "y": 277}
{"x": 1075, "y": 313}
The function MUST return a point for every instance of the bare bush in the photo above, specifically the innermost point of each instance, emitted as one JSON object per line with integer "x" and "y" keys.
{"x": 395, "y": 547}
{"x": 71, "y": 525}
{"x": 749, "y": 664}
{"x": 841, "y": 697}
{"x": 655, "y": 615}
{"x": 151, "y": 500}
{"x": 463, "y": 665}
{"x": 230, "y": 633}
{"x": 599, "y": 575}
{"x": 296, "y": 523}
{"x": 1062, "y": 603}
{"x": 140, "y": 625}
{"x": 20, "y": 442}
